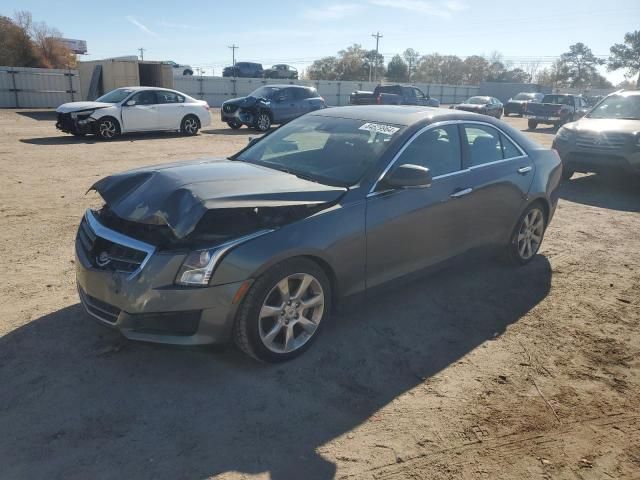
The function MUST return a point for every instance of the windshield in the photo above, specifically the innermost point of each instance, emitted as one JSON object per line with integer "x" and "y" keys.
{"x": 329, "y": 150}
{"x": 115, "y": 96}
{"x": 477, "y": 100}
{"x": 265, "y": 92}
{"x": 524, "y": 96}
{"x": 557, "y": 99}
{"x": 618, "y": 106}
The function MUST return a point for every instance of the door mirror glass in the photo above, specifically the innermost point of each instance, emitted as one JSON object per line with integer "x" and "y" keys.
{"x": 130, "y": 103}
{"x": 408, "y": 176}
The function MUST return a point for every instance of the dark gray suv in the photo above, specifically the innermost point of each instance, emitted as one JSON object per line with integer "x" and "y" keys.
{"x": 259, "y": 247}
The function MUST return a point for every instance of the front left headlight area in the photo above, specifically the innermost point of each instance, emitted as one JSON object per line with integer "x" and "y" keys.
{"x": 564, "y": 134}
{"x": 82, "y": 117}
{"x": 199, "y": 265}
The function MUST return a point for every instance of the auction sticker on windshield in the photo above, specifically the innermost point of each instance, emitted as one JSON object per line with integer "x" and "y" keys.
{"x": 379, "y": 128}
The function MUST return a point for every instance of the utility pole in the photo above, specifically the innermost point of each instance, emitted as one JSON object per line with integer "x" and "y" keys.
{"x": 141, "y": 50}
{"x": 233, "y": 49}
{"x": 377, "y": 36}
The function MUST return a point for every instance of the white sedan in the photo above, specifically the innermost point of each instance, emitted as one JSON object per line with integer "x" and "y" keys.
{"x": 134, "y": 109}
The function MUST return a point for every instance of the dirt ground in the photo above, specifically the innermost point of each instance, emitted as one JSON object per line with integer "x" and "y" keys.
{"x": 476, "y": 372}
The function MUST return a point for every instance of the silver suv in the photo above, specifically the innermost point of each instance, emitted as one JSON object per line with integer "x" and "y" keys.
{"x": 607, "y": 139}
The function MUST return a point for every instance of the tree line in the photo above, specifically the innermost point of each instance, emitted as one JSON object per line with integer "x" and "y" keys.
{"x": 575, "y": 68}
{"x": 25, "y": 43}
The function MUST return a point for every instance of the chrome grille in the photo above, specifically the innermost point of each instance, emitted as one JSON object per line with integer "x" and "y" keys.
{"x": 601, "y": 141}
{"x": 106, "y": 249}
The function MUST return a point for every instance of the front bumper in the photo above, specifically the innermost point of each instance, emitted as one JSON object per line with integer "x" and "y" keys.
{"x": 543, "y": 118}
{"x": 579, "y": 159}
{"x": 146, "y": 305}
{"x": 244, "y": 116}
{"x": 68, "y": 124}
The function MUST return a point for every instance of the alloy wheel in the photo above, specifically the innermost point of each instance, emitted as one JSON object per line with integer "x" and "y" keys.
{"x": 291, "y": 313}
{"x": 108, "y": 129}
{"x": 191, "y": 126}
{"x": 263, "y": 122}
{"x": 530, "y": 233}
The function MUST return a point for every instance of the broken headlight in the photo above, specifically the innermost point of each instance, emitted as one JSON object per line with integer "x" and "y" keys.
{"x": 198, "y": 267}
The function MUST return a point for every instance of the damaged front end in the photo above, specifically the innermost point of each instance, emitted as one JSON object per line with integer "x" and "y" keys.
{"x": 76, "y": 123}
{"x": 244, "y": 110}
{"x": 201, "y": 209}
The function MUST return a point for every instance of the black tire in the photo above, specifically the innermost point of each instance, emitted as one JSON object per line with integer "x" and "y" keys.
{"x": 513, "y": 253}
{"x": 532, "y": 124}
{"x": 78, "y": 134}
{"x": 235, "y": 124}
{"x": 262, "y": 122}
{"x": 190, "y": 125}
{"x": 247, "y": 326}
{"x": 107, "y": 128}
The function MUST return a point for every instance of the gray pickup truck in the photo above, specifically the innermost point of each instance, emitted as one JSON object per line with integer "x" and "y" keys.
{"x": 556, "y": 110}
{"x": 393, "y": 95}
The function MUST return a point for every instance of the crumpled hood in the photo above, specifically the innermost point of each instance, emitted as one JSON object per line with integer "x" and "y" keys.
{"x": 245, "y": 102}
{"x": 179, "y": 194}
{"x": 79, "y": 106}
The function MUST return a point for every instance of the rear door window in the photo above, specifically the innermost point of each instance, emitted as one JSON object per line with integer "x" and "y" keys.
{"x": 483, "y": 144}
{"x": 145, "y": 97}
{"x": 169, "y": 97}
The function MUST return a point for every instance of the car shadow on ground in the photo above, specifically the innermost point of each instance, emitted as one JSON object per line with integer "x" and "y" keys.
{"x": 605, "y": 191}
{"x": 231, "y": 131}
{"x": 40, "y": 115}
{"x": 548, "y": 130}
{"x": 91, "y": 139}
{"x": 79, "y": 401}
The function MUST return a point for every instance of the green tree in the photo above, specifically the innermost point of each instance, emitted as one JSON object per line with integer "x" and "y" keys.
{"x": 429, "y": 68}
{"x": 476, "y": 69}
{"x": 581, "y": 64}
{"x": 627, "y": 55}
{"x": 324, "y": 69}
{"x": 397, "y": 70}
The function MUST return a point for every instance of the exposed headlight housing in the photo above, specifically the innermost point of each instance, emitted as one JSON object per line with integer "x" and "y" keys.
{"x": 198, "y": 267}
{"x": 83, "y": 113}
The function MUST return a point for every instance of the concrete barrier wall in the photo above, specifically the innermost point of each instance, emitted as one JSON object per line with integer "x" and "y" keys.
{"x": 215, "y": 90}
{"x": 37, "y": 87}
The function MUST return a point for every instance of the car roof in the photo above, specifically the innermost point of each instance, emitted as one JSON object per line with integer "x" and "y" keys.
{"x": 139, "y": 88}
{"x": 287, "y": 85}
{"x": 398, "y": 114}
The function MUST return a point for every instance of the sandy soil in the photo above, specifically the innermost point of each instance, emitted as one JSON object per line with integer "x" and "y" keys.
{"x": 476, "y": 372}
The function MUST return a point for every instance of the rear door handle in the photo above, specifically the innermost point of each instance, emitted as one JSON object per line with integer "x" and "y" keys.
{"x": 461, "y": 193}
{"x": 525, "y": 170}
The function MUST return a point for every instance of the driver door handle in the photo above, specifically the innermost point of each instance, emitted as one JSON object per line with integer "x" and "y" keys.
{"x": 461, "y": 192}
{"x": 525, "y": 170}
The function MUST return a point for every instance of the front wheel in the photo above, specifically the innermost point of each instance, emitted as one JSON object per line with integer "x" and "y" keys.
{"x": 527, "y": 236}
{"x": 235, "y": 124}
{"x": 262, "y": 122}
{"x": 108, "y": 129}
{"x": 283, "y": 311}
{"x": 532, "y": 124}
{"x": 190, "y": 125}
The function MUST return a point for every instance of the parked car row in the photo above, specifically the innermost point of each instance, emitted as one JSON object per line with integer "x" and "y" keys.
{"x": 479, "y": 104}
{"x": 393, "y": 95}
{"x": 255, "y": 70}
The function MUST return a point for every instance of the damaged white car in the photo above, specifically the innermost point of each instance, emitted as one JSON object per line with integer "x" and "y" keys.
{"x": 134, "y": 109}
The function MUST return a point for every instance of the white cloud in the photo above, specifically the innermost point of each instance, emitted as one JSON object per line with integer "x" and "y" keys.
{"x": 143, "y": 28}
{"x": 442, "y": 9}
{"x": 331, "y": 12}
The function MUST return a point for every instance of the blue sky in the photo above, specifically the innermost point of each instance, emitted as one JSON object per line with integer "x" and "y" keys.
{"x": 295, "y": 32}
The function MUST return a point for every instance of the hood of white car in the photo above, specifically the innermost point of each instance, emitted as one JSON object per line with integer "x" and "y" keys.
{"x": 79, "y": 106}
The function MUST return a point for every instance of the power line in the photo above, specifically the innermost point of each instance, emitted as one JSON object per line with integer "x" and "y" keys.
{"x": 377, "y": 36}
{"x": 233, "y": 49}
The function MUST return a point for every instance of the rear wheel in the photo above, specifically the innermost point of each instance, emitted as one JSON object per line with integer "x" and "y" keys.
{"x": 235, "y": 124}
{"x": 190, "y": 125}
{"x": 532, "y": 124}
{"x": 283, "y": 311}
{"x": 527, "y": 236}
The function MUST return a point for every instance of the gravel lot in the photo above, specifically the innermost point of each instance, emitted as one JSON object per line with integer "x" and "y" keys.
{"x": 480, "y": 371}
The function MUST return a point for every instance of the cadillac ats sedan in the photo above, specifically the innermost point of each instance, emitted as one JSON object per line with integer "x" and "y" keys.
{"x": 259, "y": 247}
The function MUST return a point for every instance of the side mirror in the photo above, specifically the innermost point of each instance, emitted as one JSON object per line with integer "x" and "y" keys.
{"x": 408, "y": 176}
{"x": 130, "y": 103}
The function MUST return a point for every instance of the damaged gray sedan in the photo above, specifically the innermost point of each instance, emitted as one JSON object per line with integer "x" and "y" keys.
{"x": 261, "y": 246}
